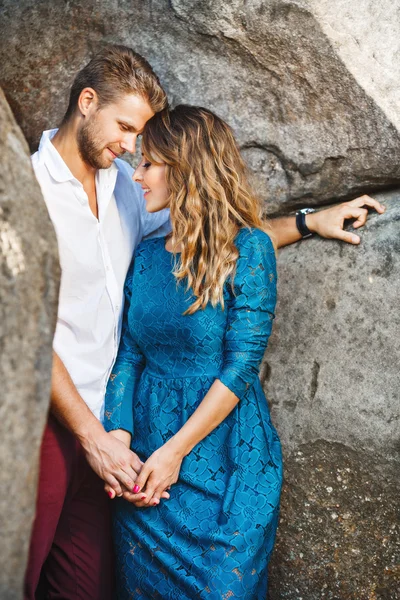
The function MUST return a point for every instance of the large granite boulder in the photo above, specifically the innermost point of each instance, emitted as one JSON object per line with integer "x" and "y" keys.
{"x": 29, "y": 276}
{"x": 310, "y": 86}
{"x": 332, "y": 377}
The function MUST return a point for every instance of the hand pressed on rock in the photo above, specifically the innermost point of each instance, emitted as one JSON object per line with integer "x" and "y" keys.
{"x": 329, "y": 223}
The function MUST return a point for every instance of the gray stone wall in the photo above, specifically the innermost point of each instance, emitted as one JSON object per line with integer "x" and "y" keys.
{"x": 331, "y": 375}
{"x": 311, "y": 90}
{"x": 293, "y": 78}
{"x": 29, "y": 276}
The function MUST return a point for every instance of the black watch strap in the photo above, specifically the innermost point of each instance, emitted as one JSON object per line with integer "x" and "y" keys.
{"x": 301, "y": 222}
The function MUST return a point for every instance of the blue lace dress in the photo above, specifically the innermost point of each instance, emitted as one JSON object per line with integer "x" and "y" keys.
{"x": 214, "y": 537}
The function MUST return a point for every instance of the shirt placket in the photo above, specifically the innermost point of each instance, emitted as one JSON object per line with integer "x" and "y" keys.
{"x": 105, "y": 186}
{"x": 114, "y": 296}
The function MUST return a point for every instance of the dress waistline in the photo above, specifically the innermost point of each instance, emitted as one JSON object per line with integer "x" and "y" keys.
{"x": 189, "y": 375}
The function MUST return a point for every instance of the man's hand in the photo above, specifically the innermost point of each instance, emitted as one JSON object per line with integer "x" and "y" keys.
{"x": 110, "y": 458}
{"x": 133, "y": 495}
{"x": 329, "y": 223}
{"x": 107, "y": 453}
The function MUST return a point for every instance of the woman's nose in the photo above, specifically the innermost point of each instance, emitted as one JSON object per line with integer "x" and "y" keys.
{"x": 137, "y": 175}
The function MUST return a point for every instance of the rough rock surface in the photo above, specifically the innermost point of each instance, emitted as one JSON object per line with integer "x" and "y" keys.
{"x": 332, "y": 378}
{"x": 29, "y": 275}
{"x": 309, "y": 87}
{"x": 338, "y": 537}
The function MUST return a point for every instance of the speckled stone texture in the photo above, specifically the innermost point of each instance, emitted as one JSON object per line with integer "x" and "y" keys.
{"x": 339, "y": 534}
{"x": 331, "y": 374}
{"x": 29, "y": 276}
{"x": 307, "y": 88}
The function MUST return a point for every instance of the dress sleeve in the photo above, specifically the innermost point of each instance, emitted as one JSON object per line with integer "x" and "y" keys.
{"x": 125, "y": 375}
{"x": 250, "y": 312}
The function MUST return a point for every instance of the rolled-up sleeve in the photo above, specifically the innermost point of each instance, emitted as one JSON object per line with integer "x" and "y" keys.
{"x": 250, "y": 312}
{"x": 125, "y": 374}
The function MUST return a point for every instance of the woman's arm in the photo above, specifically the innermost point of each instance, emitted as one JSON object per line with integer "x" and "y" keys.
{"x": 161, "y": 470}
{"x": 125, "y": 375}
{"x": 123, "y": 436}
{"x": 126, "y": 372}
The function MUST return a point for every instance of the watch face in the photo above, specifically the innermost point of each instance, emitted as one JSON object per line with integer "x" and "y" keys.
{"x": 307, "y": 211}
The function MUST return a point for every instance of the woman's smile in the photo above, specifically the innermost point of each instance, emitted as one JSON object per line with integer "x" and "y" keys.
{"x": 151, "y": 177}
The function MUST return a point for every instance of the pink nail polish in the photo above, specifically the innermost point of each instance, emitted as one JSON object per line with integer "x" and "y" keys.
{"x": 155, "y": 503}
{"x": 136, "y": 489}
{"x": 143, "y": 497}
{"x": 110, "y": 494}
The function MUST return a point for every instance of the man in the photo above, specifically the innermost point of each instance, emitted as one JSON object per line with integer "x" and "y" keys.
{"x": 99, "y": 216}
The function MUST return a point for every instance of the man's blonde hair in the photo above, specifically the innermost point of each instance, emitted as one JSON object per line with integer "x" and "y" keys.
{"x": 114, "y": 71}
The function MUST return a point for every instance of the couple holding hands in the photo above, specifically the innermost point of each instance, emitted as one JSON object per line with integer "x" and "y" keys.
{"x": 167, "y": 300}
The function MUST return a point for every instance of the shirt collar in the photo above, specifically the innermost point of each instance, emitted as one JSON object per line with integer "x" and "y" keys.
{"x": 105, "y": 184}
{"x": 52, "y": 159}
{"x": 59, "y": 170}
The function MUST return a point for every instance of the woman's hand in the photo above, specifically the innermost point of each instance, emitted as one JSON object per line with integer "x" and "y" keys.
{"x": 158, "y": 473}
{"x": 136, "y": 495}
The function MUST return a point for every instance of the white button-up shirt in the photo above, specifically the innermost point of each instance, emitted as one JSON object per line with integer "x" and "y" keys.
{"x": 94, "y": 255}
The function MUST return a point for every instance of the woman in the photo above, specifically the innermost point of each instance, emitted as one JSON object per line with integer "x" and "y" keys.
{"x": 184, "y": 392}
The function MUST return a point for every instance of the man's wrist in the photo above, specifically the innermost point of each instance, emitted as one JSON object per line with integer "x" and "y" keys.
{"x": 89, "y": 433}
{"x": 301, "y": 223}
{"x": 311, "y": 221}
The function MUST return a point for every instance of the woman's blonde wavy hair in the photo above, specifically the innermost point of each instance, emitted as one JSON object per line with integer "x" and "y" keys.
{"x": 210, "y": 198}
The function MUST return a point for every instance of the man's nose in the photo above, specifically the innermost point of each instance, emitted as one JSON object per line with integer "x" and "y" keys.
{"x": 129, "y": 143}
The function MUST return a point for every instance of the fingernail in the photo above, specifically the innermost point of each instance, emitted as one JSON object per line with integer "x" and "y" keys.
{"x": 110, "y": 494}
{"x": 136, "y": 489}
{"x": 155, "y": 503}
{"x": 142, "y": 497}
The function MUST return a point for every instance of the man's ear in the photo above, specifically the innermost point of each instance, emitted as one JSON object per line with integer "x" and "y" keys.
{"x": 88, "y": 101}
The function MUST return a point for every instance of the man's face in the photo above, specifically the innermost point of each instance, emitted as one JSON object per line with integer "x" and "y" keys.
{"x": 112, "y": 130}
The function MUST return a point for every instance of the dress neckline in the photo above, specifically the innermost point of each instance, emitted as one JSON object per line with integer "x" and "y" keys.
{"x": 164, "y": 239}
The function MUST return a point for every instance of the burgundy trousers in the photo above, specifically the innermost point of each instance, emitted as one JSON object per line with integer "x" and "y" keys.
{"x": 70, "y": 556}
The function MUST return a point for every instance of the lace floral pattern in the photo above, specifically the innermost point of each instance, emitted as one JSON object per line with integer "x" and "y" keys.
{"x": 214, "y": 537}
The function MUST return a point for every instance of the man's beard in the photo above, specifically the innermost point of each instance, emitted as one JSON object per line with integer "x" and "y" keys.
{"x": 90, "y": 148}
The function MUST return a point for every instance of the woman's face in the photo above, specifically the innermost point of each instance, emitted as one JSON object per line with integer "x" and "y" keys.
{"x": 151, "y": 176}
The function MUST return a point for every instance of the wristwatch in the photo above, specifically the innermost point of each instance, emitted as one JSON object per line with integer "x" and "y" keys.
{"x": 301, "y": 222}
